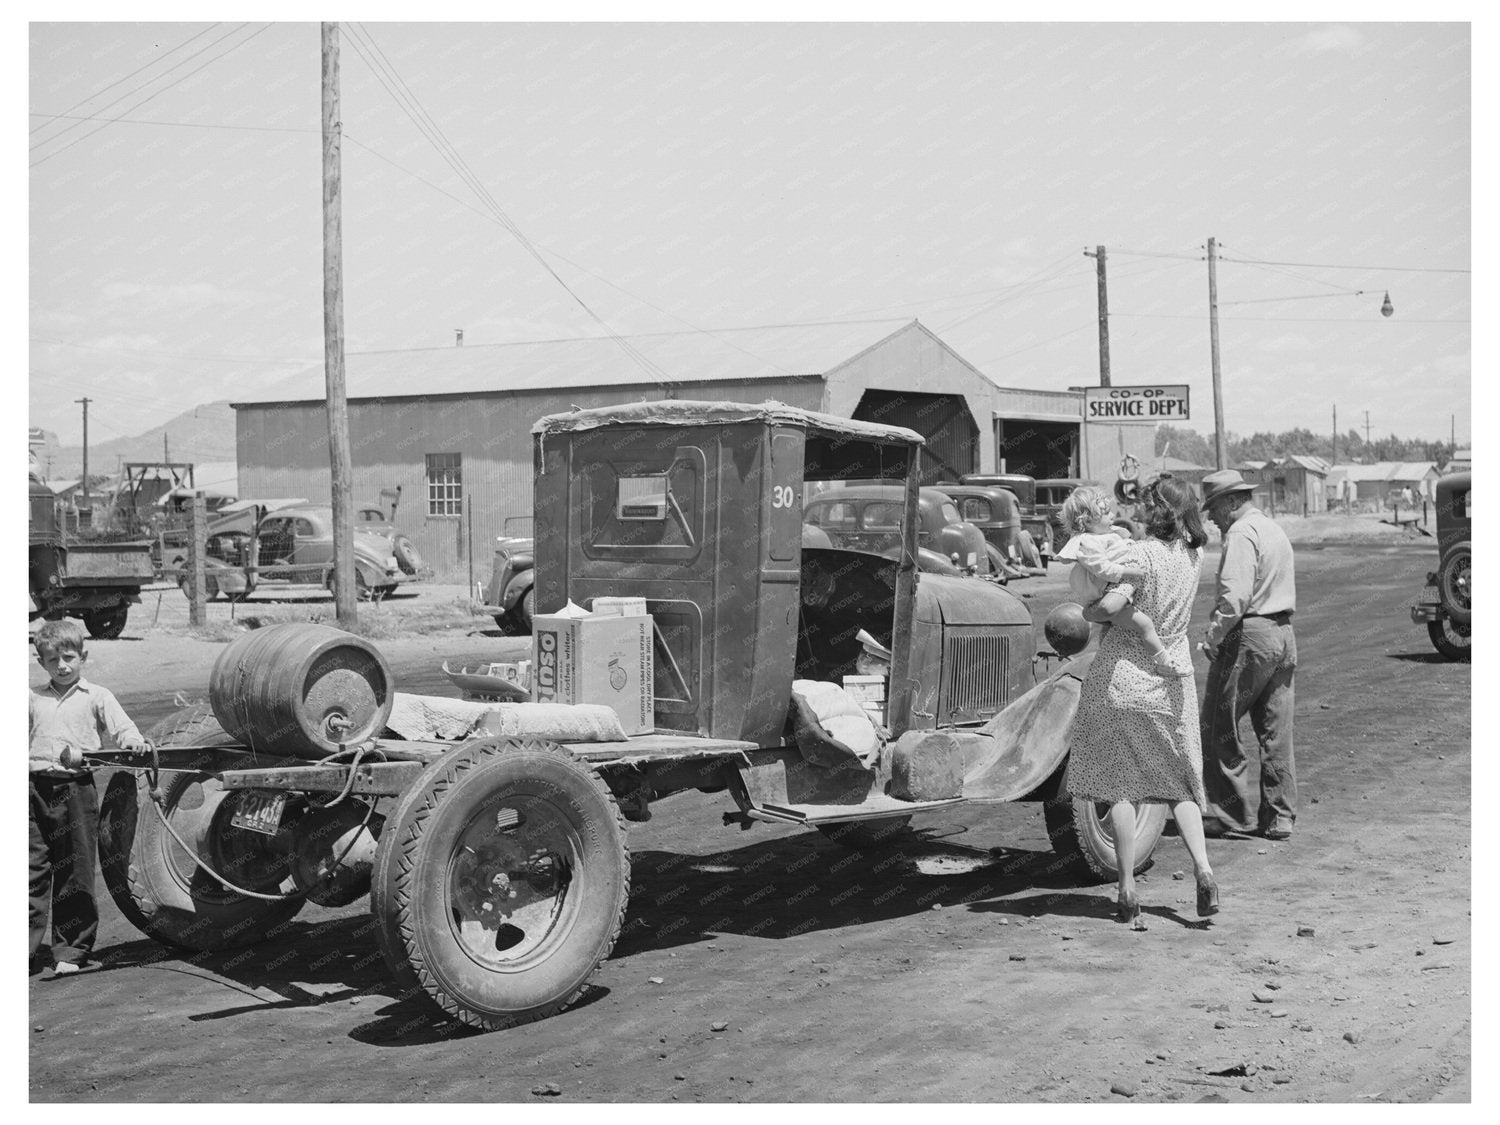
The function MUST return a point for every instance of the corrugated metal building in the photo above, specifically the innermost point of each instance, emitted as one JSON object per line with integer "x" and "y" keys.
{"x": 452, "y": 426}
{"x": 1376, "y": 486}
{"x": 1043, "y": 434}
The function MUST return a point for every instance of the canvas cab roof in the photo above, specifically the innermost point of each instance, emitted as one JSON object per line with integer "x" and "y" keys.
{"x": 687, "y": 412}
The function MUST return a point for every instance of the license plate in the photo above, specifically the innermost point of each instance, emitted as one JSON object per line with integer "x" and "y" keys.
{"x": 259, "y": 811}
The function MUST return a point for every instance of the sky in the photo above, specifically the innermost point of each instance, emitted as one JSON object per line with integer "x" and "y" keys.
{"x": 650, "y": 177}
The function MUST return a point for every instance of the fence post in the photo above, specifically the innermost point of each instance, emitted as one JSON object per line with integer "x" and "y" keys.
{"x": 197, "y": 550}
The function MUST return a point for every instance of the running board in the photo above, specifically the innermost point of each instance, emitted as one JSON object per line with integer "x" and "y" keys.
{"x": 873, "y": 808}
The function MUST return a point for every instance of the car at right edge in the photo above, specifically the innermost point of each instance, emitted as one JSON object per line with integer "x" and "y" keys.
{"x": 1446, "y": 604}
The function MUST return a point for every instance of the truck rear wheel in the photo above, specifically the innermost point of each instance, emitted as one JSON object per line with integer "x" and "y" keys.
{"x": 501, "y": 881}
{"x": 106, "y": 624}
{"x": 156, "y": 884}
{"x": 1081, "y": 834}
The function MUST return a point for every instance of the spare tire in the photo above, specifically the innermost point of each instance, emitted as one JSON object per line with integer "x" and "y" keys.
{"x": 406, "y": 555}
{"x": 161, "y": 889}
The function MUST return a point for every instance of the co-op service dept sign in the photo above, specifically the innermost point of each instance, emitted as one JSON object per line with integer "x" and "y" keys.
{"x": 1166, "y": 402}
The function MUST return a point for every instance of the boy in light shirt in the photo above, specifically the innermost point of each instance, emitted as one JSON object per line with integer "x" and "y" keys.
{"x": 68, "y": 716}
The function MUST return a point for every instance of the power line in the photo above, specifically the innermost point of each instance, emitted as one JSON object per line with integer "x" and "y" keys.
{"x": 176, "y": 355}
{"x": 1291, "y": 319}
{"x": 146, "y": 66}
{"x": 173, "y": 124}
{"x": 1328, "y": 266}
{"x": 375, "y": 58}
{"x": 157, "y": 94}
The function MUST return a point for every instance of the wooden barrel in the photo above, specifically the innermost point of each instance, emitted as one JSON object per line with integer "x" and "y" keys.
{"x": 301, "y": 689}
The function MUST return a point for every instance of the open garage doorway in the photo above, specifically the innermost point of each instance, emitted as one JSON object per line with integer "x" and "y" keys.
{"x": 1044, "y": 450}
{"x": 952, "y": 447}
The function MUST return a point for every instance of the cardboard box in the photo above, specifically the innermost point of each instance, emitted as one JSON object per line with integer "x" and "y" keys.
{"x": 599, "y": 658}
{"x": 870, "y": 692}
{"x": 621, "y": 607}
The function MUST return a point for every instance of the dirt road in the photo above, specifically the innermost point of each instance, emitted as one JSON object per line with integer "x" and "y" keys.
{"x": 960, "y": 968}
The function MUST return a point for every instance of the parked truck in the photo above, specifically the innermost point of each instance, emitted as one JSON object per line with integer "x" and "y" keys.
{"x": 95, "y": 576}
{"x": 498, "y": 866}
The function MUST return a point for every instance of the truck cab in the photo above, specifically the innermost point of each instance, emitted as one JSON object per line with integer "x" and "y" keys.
{"x": 698, "y": 507}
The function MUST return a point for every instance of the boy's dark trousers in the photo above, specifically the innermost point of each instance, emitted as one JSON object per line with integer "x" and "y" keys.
{"x": 64, "y": 842}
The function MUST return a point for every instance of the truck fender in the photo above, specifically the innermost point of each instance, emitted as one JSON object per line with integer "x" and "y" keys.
{"x": 1024, "y": 744}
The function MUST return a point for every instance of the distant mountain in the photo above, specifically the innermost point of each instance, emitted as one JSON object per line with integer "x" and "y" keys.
{"x": 201, "y": 434}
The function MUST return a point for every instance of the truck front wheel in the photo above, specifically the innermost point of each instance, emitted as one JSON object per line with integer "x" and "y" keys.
{"x": 1081, "y": 834}
{"x": 501, "y": 881}
{"x": 156, "y": 883}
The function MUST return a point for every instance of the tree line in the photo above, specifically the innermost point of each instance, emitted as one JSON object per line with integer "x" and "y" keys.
{"x": 1179, "y": 441}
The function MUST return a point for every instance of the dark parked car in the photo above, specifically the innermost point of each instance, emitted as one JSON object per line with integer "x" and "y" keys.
{"x": 1035, "y": 524}
{"x": 510, "y": 596}
{"x": 1446, "y": 606}
{"x": 867, "y": 517}
{"x": 997, "y": 513}
{"x": 1050, "y": 495}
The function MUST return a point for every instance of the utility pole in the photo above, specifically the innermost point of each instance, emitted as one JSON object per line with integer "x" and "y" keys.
{"x": 85, "y": 400}
{"x": 333, "y": 338}
{"x": 166, "y": 454}
{"x": 1098, "y": 256}
{"x": 1367, "y": 433}
{"x": 1335, "y": 433}
{"x": 1213, "y": 343}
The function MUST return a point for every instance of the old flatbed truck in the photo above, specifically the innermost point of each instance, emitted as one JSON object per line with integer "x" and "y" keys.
{"x": 96, "y": 577}
{"x": 498, "y": 867}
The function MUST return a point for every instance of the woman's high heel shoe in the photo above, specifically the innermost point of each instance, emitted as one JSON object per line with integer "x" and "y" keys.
{"x": 1128, "y": 909}
{"x": 1208, "y": 897}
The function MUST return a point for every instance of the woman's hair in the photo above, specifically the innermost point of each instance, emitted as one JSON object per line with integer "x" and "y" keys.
{"x": 1172, "y": 511}
{"x": 1084, "y": 506}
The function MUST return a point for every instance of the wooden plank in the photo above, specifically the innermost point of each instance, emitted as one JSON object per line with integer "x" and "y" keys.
{"x": 873, "y": 807}
{"x": 372, "y": 778}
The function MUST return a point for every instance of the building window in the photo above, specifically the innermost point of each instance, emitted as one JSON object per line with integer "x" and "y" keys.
{"x": 445, "y": 482}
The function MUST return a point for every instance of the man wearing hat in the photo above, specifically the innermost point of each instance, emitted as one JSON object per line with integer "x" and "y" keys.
{"x": 1253, "y": 659}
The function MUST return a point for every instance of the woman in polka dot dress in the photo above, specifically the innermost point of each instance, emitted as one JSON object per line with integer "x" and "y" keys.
{"x": 1136, "y": 737}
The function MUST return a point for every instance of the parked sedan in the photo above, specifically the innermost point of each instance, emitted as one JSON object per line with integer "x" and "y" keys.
{"x": 286, "y": 541}
{"x": 997, "y": 514}
{"x": 1034, "y": 524}
{"x": 867, "y": 517}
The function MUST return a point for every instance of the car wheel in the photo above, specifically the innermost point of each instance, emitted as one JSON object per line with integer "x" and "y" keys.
{"x": 1455, "y": 582}
{"x": 501, "y": 881}
{"x": 106, "y": 624}
{"x": 526, "y": 609}
{"x": 1450, "y": 638}
{"x": 210, "y": 586}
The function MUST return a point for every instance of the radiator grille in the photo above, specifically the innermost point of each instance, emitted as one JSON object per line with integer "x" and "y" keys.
{"x": 977, "y": 675}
